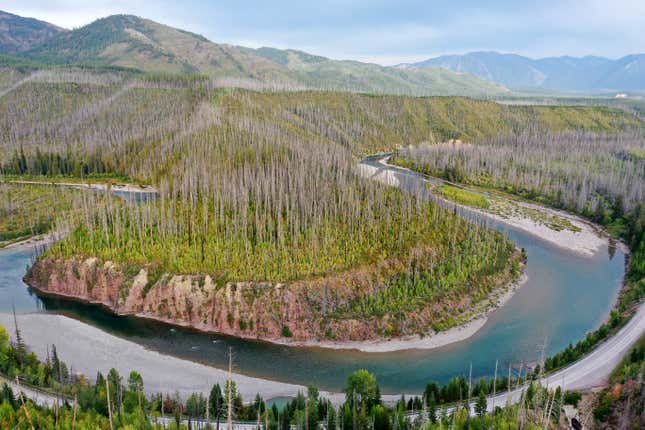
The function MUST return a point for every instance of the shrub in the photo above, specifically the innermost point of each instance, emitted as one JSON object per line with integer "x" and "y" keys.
{"x": 572, "y": 398}
{"x": 286, "y": 332}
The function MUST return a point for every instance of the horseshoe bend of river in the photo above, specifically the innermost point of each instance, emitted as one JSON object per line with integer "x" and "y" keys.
{"x": 566, "y": 296}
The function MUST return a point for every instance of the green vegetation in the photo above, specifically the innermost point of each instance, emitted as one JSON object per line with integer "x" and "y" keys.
{"x": 500, "y": 203}
{"x": 637, "y": 152}
{"x": 115, "y": 121}
{"x": 254, "y": 208}
{"x": 623, "y": 400}
{"x": 369, "y": 124}
{"x": 16, "y": 360}
{"x": 20, "y": 34}
{"x": 112, "y": 402}
{"x": 97, "y": 127}
{"x": 140, "y": 44}
{"x": 29, "y": 210}
{"x": 319, "y": 72}
{"x": 504, "y": 205}
{"x": 464, "y": 197}
{"x": 90, "y": 403}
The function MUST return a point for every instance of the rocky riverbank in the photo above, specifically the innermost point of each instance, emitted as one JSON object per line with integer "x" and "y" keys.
{"x": 299, "y": 313}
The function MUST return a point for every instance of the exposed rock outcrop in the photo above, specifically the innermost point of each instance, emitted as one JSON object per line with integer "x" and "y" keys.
{"x": 311, "y": 309}
{"x": 245, "y": 309}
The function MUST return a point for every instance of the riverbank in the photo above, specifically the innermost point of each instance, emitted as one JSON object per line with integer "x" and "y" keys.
{"x": 97, "y": 186}
{"x": 34, "y": 241}
{"x": 289, "y": 367}
{"x": 89, "y": 281}
{"x": 497, "y": 299}
{"x": 586, "y": 240}
{"x": 77, "y": 345}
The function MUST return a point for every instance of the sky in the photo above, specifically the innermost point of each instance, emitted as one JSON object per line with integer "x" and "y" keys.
{"x": 383, "y": 32}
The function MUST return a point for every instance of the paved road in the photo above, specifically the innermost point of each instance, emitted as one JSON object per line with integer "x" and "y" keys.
{"x": 198, "y": 424}
{"x": 37, "y": 396}
{"x": 589, "y": 372}
{"x": 593, "y": 369}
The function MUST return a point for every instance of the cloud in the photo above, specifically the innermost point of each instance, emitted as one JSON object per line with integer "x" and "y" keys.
{"x": 72, "y": 13}
{"x": 387, "y": 32}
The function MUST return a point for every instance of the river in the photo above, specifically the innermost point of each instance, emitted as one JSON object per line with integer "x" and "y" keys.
{"x": 566, "y": 295}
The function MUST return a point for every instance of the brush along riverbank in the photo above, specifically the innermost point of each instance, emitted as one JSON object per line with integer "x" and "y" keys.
{"x": 560, "y": 228}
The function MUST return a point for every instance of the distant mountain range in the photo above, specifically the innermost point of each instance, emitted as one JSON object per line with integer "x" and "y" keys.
{"x": 586, "y": 74}
{"x": 142, "y": 44}
{"x": 132, "y": 42}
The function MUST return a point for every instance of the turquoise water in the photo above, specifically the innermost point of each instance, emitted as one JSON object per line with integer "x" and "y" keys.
{"x": 566, "y": 295}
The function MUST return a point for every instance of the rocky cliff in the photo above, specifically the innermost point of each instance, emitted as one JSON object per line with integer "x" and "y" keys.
{"x": 308, "y": 310}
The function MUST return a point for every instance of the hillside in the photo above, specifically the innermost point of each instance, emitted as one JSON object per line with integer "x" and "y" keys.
{"x": 554, "y": 73}
{"x": 323, "y": 73}
{"x": 18, "y": 34}
{"x": 133, "y": 42}
{"x": 121, "y": 116}
{"x": 129, "y": 41}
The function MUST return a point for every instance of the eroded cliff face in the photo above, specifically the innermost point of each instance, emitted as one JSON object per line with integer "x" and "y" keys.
{"x": 306, "y": 310}
{"x": 299, "y": 311}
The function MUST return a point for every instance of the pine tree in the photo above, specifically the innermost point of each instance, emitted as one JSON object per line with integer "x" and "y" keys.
{"x": 216, "y": 403}
{"x": 481, "y": 404}
{"x": 21, "y": 348}
{"x": 432, "y": 408}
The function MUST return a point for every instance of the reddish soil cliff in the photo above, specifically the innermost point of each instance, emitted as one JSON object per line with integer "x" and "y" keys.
{"x": 305, "y": 310}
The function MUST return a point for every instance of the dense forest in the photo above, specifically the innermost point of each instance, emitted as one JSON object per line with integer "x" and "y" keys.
{"x": 83, "y": 122}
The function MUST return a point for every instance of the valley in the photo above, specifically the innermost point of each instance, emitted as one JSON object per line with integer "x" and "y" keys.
{"x": 268, "y": 235}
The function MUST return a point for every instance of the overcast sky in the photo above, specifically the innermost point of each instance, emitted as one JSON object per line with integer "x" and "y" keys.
{"x": 385, "y": 32}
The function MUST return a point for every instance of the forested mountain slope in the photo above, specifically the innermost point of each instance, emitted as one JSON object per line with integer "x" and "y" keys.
{"x": 323, "y": 73}
{"x": 97, "y": 122}
{"x": 130, "y": 41}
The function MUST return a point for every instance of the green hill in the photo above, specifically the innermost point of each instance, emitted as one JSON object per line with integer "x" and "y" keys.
{"x": 129, "y": 41}
{"x": 321, "y": 72}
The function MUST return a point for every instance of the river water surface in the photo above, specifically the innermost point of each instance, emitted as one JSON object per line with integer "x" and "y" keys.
{"x": 566, "y": 295}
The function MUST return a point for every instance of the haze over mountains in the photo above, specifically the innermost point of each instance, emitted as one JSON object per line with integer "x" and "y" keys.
{"x": 136, "y": 43}
{"x": 554, "y": 73}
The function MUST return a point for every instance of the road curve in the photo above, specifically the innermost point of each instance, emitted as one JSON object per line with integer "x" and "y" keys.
{"x": 39, "y": 397}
